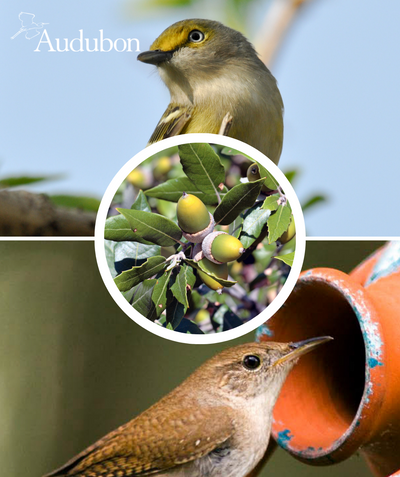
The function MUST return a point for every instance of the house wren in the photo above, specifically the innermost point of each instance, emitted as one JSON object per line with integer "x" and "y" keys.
{"x": 216, "y": 423}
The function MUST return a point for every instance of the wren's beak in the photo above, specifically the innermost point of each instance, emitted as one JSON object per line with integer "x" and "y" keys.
{"x": 155, "y": 57}
{"x": 302, "y": 347}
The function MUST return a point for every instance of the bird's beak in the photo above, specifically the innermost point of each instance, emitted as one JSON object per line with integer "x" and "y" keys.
{"x": 155, "y": 57}
{"x": 301, "y": 347}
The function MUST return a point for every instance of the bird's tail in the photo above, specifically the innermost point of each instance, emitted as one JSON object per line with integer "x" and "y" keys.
{"x": 18, "y": 32}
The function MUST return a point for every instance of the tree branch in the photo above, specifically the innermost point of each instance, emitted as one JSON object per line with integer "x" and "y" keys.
{"x": 25, "y": 214}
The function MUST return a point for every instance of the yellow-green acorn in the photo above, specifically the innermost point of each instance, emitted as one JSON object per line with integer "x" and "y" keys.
{"x": 201, "y": 316}
{"x": 220, "y": 271}
{"x": 289, "y": 234}
{"x": 220, "y": 247}
{"x": 193, "y": 218}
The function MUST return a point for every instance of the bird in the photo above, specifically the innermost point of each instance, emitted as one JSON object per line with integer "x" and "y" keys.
{"x": 215, "y": 76}
{"x": 29, "y": 26}
{"x": 217, "y": 423}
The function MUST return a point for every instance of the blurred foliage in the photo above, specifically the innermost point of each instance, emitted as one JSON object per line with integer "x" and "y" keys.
{"x": 71, "y": 201}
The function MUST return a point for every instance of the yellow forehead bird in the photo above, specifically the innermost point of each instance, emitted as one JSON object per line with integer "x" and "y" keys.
{"x": 217, "y": 84}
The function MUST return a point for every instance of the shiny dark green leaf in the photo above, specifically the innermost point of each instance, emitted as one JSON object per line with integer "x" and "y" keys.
{"x": 130, "y": 278}
{"x": 236, "y": 200}
{"x": 202, "y": 166}
{"x": 152, "y": 228}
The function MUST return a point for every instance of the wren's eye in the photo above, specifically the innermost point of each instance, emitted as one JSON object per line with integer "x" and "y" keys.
{"x": 196, "y": 36}
{"x": 251, "y": 362}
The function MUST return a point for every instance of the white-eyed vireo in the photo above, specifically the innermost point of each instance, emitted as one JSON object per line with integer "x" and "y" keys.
{"x": 211, "y": 70}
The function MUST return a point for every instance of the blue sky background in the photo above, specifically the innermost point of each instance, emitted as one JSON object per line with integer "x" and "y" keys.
{"x": 86, "y": 114}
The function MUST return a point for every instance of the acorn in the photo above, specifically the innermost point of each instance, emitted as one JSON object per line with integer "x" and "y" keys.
{"x": 193, "y": 218}
{"x": 220, "y": 271}
{"x": 197, "y": 253}
{"x": 220, "y": 247}
{"x": 289, "y": 234}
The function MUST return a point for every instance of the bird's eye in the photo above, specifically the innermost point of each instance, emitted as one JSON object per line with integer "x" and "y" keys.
{"x": 251, "y": 362}
{"x": 196, "y": 36}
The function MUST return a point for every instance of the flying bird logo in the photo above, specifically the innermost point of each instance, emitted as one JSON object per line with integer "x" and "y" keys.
{"x": 28, "y": 26}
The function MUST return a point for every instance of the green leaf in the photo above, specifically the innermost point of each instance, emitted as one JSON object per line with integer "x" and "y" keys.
{"x": 317, "y": 199}
{"x": 288, "y": 258}
{"x": 173, "y": 189}
{"x": 133, "y": 254}
{"x": 152, "y": 228}
{"x": 279, "y": 222}
{"x": 254, "y": 221}
{"x": 109, "y": 248}
{"x": 175, "y": 313}
{"x": 141, "y": 203}
{"x": 75, "y": 202}
{"x": 184, "y": 279}
{"x": 271, "y": 202}
{"x": 159, "y": 296}
{"x": 226, "y": 318}
{"x": 197, "y": 266}
{"x": 203, "y": 167}
{"x": 235, "y": 227}
{"x": 291, "y": 175}
{"x": 236, "y": 200}
{"x": 26, "y": 180}
{"x": 270, "y": 181}
{"x": 118, "y": 229}
{"x": 229, "y": 151}
{"x": 141, "y": 299}
{"x": 130, "y": 278}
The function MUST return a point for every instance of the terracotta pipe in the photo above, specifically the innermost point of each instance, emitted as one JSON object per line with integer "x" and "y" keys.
{"x": 344, "y": 396}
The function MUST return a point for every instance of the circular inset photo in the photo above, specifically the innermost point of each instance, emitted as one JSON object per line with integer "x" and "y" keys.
{"x": 200, "y": 238}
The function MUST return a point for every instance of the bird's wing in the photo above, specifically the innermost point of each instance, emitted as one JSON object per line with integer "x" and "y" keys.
{"x": 147, "y": 445}
{"x": 31, "y": 34}
{"x": 26, "y": 18}
{"x": 172, "y": 122}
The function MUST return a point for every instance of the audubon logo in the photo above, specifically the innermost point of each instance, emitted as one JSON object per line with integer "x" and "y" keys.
{"x": 100, "y": 44}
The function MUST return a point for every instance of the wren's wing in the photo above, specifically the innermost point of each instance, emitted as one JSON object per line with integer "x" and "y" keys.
{"x": 149, "y": 444}
{"x": 172, "y": 122}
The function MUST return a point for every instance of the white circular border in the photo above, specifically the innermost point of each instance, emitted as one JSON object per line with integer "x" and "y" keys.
{"x": 195, "y": 338}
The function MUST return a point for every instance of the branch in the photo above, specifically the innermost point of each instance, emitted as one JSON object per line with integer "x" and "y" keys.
{"x": 279, "y": 18}
{"x": 25, "y": 214}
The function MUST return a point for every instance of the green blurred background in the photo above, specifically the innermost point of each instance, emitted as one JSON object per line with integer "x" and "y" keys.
{"x": 73, "y": 366}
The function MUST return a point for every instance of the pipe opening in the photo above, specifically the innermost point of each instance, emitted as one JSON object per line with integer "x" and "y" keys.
{"x": 322, "y": 394}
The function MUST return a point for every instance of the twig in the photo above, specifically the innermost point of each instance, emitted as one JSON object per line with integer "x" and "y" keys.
{"x": 25, "y": 214}
{"x": 277, "y": 22}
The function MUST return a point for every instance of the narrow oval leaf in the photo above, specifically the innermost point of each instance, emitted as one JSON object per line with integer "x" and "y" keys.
{"x": 254, "y": 221}
{"x": 132, "y": 254}
{"x": 236, "y": 200}
{"x": 152, "y": 228}
{"x": 175, "y": 313}
{"x": 173, "y": 189}
{"x": 141, "y": 203}
{"x": 203, "y": 167}
{"x": 127, "y": 280}
{"x": 288, "y": 258}
{"x": 317, "y": 199}
{"x": 278, "y": 223}
{"x": 197, "y": 266}
{"x": 141, "y": 299}
{"x": 271, "y": 202}
{"x": 159, "y": 296}
{"x": 183, "y": 280}
{"x": 118, "y": 229}
{"x": 270, "y": 181}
